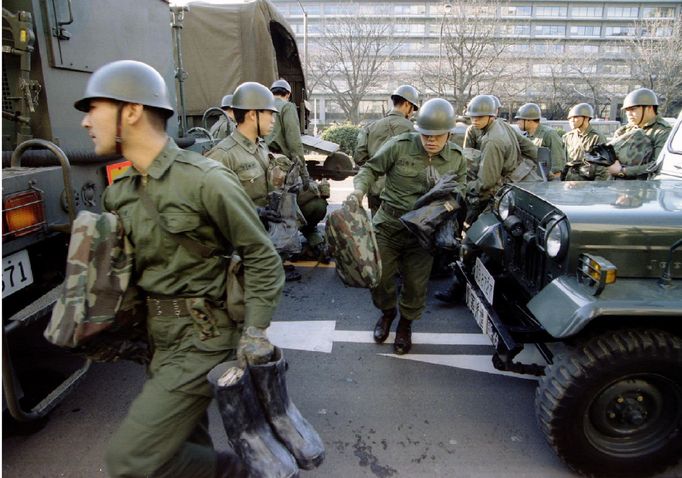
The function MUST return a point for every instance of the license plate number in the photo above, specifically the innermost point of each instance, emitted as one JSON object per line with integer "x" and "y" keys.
{"x": 484, "y": 280}
{"x": 478, "y": 310}
{"x": 16, "y": 273}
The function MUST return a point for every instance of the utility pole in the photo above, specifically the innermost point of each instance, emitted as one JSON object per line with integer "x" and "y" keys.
{"x": 447, "y": 6}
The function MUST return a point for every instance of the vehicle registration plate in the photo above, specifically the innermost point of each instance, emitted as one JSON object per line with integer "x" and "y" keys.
{"x": 484, "y": 280}
{"x": 478, "y": 310}
{"x": 16, "y": 273}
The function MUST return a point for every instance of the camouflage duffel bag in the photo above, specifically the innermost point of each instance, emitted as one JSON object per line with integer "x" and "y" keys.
{"x": 633, "y": 148}
{"x": 353, "y": 244}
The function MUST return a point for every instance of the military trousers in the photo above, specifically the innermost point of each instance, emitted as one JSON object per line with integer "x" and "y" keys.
{"x": 400, "y": 253}
{"x": 165, "y": 433}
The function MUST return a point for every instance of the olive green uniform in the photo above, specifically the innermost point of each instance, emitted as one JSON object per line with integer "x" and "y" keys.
{"x": 472, "y": 137}
{"x": 222, "y": 128}
{"x": 547, "y": 137}
{"x": 371, "y": 138}
{"x": 249, "y": 161}
{"x": 501, "y": 151}
{"x": 285, "y": 139}
{"x": 165, "y": 432}
{"x": 404, "y": 162}
{"x": 577, "y": 143}
{"x": 658, "y": 131}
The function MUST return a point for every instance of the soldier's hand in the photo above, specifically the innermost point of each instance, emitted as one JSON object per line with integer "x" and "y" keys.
{"x": 267, "y": 215}
{"x": 615, "y": 168}
{"x": 354, "y": 199}
{"x": 254, "y": 347}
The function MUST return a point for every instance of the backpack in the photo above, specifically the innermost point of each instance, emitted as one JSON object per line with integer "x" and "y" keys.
{"x": 352, "y": 243}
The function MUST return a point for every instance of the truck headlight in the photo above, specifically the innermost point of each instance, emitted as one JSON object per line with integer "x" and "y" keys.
{"x": 505, "y": 202}
{"x": 556, "y": 238}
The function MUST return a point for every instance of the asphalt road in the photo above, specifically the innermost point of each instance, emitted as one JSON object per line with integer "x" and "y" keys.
{"x": 440, "y": 411}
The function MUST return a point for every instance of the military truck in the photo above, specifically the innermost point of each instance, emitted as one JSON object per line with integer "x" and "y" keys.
{"x": 590, "y": 274}
{"x": 50, "y": 172}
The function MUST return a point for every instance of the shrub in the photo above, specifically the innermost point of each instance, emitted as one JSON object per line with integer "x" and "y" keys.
{"x": 345, "y": 135}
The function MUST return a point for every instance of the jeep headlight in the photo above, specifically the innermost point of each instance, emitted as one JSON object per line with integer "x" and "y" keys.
{"x": 556, "y": 238}
{"x": 504, "y": 204}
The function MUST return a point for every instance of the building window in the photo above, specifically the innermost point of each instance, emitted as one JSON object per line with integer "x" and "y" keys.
{"x": 585, "y": 30}
{"x": 622, "y": 12}
{"x": 516, "y": 11}
{"x": 409, "y": 29}
{"x": 550, "y": 11}
{"x": 549, "y": 30}
{"x": 547, "y": 48}
{"x": 658, "y": 12}
{"x": 586, "y": 12}
{"x": 613, "y": 50}
{"x": 581, "y": 49}
{"x": 618, "y": 69}
{"x": 619, "y": 31}
{"x": 410, "y": 10}
{"x": 514, "y": 30}
{"x": 541, "y": 69}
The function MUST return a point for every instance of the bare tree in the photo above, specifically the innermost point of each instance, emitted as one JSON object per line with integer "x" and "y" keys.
{"x": 353, "y": 55}
{"x": 657, "y": 61}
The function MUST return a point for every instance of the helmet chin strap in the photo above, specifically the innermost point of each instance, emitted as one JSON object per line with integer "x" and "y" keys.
{"x": 119, "y": 128}
{"x": 258, "y": 122}
{"x": 641, "y": 118}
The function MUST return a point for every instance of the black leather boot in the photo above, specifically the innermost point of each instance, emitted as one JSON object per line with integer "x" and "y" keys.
{"x": 383, "y": 325}
{"x": 229, "y": 465}
{"x": 403, "y": 337}
{"x": 248, "y": 432}
{"x": 453, "y": 294}
{"x": 291, "y": 428}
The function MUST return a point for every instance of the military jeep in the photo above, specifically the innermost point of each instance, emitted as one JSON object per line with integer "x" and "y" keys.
{"x": 590, "y": 273}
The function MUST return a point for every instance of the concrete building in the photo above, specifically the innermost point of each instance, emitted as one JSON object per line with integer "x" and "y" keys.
{"x": 535, "y": 34}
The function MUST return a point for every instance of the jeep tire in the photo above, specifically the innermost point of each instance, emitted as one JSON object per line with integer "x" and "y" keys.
{"x": 613, "y": 405}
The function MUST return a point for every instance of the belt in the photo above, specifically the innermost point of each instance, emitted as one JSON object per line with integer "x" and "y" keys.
{"x": 392, "y": 211}
{"x": 167, "y": 307}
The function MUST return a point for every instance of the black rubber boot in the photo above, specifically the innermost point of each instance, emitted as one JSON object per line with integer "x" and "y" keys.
{"x": 291, "y": 428}
{"x": 454, "y": 294}
{"x": 403, "y": 337}
{"x": 383, "y": 325}
{"x": 248, "y": 432}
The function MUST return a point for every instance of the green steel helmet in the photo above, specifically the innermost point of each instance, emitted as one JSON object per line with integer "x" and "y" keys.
{"x": 226, "y": 102}
{"x": 408, "y": 93}
{"x": 129, "y": 82}
{"x": 529, "y": 111}
{"x": 481, "y": 105}
{"x": 498, "y": 103}
{"x": 640, "y": 97}
{"x": 437, "y": 116}
{"x": 582, "y": 109}
{"x": 283, "y": 84}
{"x": 253, "y": 96}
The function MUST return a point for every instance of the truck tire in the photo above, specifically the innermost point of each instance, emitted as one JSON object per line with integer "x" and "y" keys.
{"x": 613, "y": 405}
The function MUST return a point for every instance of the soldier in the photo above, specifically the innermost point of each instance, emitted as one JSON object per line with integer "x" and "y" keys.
{"x": 528, "y": 119}
{"x": 225, "y": 124}
{"x": 502, "y": 149}
{"x": 641, "y": 109}
{"x": 285, "y": 139}
{"x": 245, "y": 151}
{"x": 472, "y": 137}
{"x": 582, "y": 137}
{"x": 171, "y": 191}
{"x": 370, "y": 138}
{"x": 412, "y": 162}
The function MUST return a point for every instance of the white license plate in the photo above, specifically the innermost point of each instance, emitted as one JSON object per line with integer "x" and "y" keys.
{"x": 481, "y": 315}
{"x": 484, "y": 280}
{"x": 16, "y": 273}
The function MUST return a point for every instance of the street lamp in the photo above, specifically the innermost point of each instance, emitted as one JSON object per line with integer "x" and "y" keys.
{"x": 447, "y": 6}
{"x": 305, "y": 38}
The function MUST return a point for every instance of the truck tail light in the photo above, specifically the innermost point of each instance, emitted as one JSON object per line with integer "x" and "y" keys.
{"x": 596, "y": 272}
{"x": 22, "y": 213}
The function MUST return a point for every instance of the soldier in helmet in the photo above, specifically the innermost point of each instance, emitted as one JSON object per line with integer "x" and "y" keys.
{"x": 245, "y": 151}
{"x": 641, "y": 110}
{"x": 225, "y": 124}
{"x": 582, "y": 137}
{"x": 165, "y": 433}
{"x": 472, "y": 137}
{"x": 412, "y": 163}
{"x": 502, "y": 149}
{"x": 528, "y": 119}
{"x": 285, "y": 139}
{"x": 370, "y": 138}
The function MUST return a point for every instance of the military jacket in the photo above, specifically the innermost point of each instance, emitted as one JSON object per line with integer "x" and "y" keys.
{"x": 405, "y": 163}
{"x": 576, "y": 144}
{"x": 501, "y": 151}
{"x": 222, "y": 128}
{"x": 202, "y": 200}
{"x": 373, "y": 136}
{"x": 548, "y": 138}
{"x": 472, "y": 137}
{"x": 658, "y": 131}
{"x": 249, "y": 161}
{"x": 285, "y": 137}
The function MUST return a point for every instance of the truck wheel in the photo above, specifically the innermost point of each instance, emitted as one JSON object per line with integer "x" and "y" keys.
{"x": 613, "y": 405}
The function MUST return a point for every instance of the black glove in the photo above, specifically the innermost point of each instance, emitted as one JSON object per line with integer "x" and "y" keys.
{"x": 267, "y": 215}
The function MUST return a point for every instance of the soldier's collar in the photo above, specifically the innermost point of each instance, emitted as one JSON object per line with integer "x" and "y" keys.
{"x": 245, "y": 142}
{"x": 164, "y": 160}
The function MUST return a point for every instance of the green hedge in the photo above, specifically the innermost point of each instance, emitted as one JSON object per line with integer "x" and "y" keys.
{"x": 345, "y": 135}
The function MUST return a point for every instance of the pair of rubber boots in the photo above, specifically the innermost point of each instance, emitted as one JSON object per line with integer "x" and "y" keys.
{"x": 262, "y": 424}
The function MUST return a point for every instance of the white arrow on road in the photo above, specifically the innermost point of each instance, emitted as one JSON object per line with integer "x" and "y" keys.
{"x": 320, "y": 335}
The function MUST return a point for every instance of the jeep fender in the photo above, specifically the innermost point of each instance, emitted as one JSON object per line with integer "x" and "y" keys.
{"x": 485, "y": 235}
{"x": 565, "y": 306}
